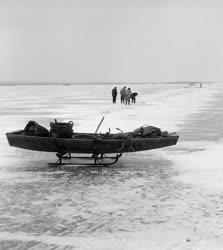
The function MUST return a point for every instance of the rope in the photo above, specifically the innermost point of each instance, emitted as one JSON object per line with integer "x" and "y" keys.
{"x": 123, "y": 142}
{"x": 131, "y": 146}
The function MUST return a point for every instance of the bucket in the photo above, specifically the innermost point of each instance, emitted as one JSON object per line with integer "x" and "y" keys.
{"x": 61, "y": 129}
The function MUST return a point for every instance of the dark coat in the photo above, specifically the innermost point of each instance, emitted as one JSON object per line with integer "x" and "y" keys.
{"x": 134, "y": 94}
{"x": 114, "y": 92}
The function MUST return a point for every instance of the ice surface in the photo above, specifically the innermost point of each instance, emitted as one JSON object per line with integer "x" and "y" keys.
{"x": 203, "y": 168}
{"x": 163, "y": 199}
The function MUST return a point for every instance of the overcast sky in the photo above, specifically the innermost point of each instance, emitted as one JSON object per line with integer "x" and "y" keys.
{"x": 111, "y": 41}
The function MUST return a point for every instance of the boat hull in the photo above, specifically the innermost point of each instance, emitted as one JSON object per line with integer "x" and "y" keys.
{"x": 88, "y": 145}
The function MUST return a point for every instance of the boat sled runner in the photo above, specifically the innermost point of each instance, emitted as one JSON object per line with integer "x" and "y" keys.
{"x": 62, "y": 140}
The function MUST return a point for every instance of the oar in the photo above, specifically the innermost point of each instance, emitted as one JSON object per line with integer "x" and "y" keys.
{"x": 99, "y": 125}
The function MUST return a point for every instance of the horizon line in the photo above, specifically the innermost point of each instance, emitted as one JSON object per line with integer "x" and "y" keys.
{"x": 104, "y": 83}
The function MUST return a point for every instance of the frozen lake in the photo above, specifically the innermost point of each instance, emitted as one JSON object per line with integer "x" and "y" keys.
{"x": 168, "y": 198}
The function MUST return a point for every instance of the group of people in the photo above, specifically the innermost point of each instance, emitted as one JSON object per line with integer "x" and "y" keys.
{"x": 126, "y": 95}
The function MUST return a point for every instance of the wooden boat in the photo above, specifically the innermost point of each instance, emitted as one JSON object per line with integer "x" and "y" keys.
{"x": 89, "y": 143}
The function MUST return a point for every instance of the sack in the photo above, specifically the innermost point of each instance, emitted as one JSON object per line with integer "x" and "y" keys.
{"x": 150, "y": 131}
{"x": 144, "y": 131}
{"x": 137, "y": 131}
{"x": 61, "y": 129}
{"x": 34, "y": 129}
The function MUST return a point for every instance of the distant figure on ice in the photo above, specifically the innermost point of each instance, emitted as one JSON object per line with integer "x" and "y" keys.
{"x": 114, "y": 94}
{"x": 133, "y": 97}
{"x": 122, "y": 94}
{"x": 128, "y": 96}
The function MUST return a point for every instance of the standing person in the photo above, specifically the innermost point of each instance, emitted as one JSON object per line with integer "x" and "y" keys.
{"x": 128, "y": 96}
{"x": 122, "y": 94}
{"x": 114, "y": 94}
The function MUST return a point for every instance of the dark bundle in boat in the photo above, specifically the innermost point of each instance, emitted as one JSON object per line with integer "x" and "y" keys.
{"x": 144, "y": 131}
{"x": 61, "y": 129}
{"x": 34, "y": 129}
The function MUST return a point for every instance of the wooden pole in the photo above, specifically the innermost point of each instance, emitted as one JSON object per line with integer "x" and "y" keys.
{"x": 99, "y": 125}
